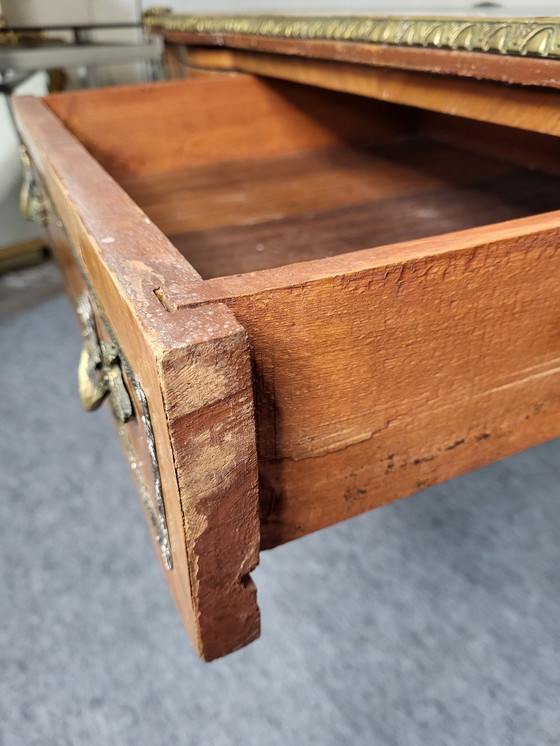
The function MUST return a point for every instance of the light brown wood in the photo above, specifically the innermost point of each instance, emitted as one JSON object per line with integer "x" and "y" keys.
{"x": 373, "y": 373}
{"x": 197, "y": 72}
{"x": 503, "y": 68}
{"x": 268, "y": 189}
{"x": 381, "y": 372}
{"x": 242, "y": 217}
{"x": 195, "y": 199}
{"x": 529, "y": 108}
{"x": 22, "y": 254}
{"x": 328, "y": 419}
{"x": 135, "y": 130}
{"x": 194, "y": 368}
{"x": 175, "y": 61}
{"x": 528, "y": 149}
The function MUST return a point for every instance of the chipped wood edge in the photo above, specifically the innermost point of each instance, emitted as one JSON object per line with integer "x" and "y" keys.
{"x": 207, "y": 462}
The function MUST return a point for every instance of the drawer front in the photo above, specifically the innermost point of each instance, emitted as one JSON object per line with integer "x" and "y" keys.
{"x": 104, "y": 375}
{"x": 177, "y": 380}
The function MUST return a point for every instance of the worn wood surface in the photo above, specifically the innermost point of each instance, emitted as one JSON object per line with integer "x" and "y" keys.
{"x": 244, "y": 217}
{"x": 250, "y": 192}
{"x": 503, "y": 68}
{"x": 241, "y": 249}
{"x": 374, "y": 373}
{"x": 194, "y": 368}
{"x": 381, "y": 372}
{"x": 526, "y": 107}
{"x": 531, "y": 150}
{"x": 150, "y": 129}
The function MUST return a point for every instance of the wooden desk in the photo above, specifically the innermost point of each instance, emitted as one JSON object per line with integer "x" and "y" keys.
{"x": 320, "y": 275}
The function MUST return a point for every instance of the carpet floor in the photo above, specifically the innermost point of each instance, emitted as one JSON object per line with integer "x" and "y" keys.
{"x": 434, "y": 620}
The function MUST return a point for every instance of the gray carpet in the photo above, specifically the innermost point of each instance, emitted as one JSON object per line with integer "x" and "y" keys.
{"x": 434, "y": 620}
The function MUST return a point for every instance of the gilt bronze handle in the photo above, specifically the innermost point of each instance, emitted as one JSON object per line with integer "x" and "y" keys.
{"x": 31, "y": 202}
{"x": 99, "y": 371}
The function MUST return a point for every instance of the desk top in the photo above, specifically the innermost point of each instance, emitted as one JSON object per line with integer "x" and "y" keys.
{"x": 514, "y": 49}
{"x": 483, "y": 32}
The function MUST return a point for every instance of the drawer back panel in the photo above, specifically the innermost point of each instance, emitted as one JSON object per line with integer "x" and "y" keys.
{"x": 135, "y": 130}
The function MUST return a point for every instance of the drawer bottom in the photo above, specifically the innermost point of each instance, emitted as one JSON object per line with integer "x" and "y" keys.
{"x": 268, "y": 212}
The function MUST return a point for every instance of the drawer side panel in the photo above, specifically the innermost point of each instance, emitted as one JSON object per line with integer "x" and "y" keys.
{"x": 377, "y": 383}
{"x": 193, "y": 367}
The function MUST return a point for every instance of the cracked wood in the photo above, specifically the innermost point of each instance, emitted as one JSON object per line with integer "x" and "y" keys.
{"x": 375, "y": 383}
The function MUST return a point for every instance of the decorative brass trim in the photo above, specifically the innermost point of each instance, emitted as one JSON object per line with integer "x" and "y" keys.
{"x": 99, "y": 371}
{"x": 153, "y": 503}
{"x": 100, "y": 375}
{"x": 31, "y": 202}
{"x": 156, "y": 10}
{"x": 531, "y": 37}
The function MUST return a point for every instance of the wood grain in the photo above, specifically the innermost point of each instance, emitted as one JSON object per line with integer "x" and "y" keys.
{"x": 245, "y": 217}
{"x": 142, "y": 129}
{"x": 382, "y": 372}
{"x": 531, "y": 150}
{"x": 526, "y": 107}
{"x": 273, "y": 188}
{"x": 374, "y": 373}
{"x": 175, "y": 61}
{"x": 502, "y": 68}
{"x": 194, "y": 368}
{"x": 251, "y": 248}
{"x": 22, "y": 254}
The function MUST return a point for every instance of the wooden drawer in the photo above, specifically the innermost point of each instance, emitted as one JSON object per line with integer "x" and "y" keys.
{"x": 300, "y": 304}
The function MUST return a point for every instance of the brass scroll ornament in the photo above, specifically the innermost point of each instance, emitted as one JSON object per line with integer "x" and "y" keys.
{"x": 100, "y": 376}
{"x": 531, "y": 37}
{"x": 99, "y": 371}
{"x": 31, "y": 202}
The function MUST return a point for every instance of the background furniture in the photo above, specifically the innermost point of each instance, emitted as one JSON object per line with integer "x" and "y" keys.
{"x": 59, "y": 44}
{"x": 34, "y": 50}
